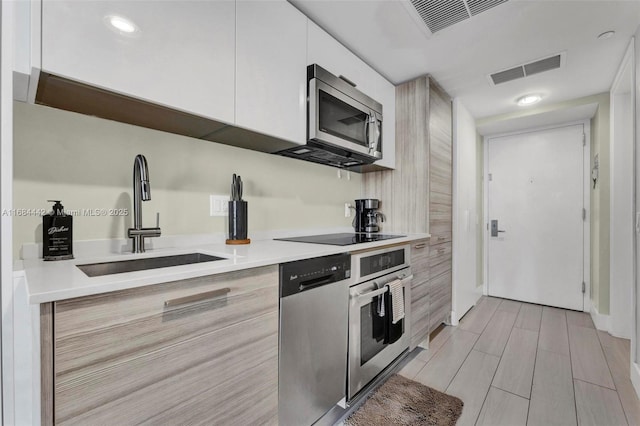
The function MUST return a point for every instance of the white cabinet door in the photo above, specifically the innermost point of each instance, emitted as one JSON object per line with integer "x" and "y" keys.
{"x": 180, "y": 55}
{"x": 327, "y": 52}
{"x": 271, "y": 74}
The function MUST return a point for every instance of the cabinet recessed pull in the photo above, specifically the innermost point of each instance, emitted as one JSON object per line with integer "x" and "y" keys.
{"x": 197, "y": 297}
{"x": 420, "y": 245}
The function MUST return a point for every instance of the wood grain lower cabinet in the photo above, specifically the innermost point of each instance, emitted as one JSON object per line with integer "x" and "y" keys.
{"x": 198, "y": 351}
{"x": 417, "y": 195}
{"x": 420, "y": 292}
{"x": 439, "y": 284}
{"x": 440, "y": 205}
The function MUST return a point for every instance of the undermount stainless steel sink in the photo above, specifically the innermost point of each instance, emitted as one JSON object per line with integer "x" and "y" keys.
{"x": 121, "y": 266}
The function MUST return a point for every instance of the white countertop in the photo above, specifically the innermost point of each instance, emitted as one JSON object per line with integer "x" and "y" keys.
{"x": 58, "y": 280}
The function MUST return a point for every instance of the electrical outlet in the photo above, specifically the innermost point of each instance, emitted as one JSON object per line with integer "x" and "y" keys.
{"x": 218, "y": 205}
{"x": 347, "y": 210}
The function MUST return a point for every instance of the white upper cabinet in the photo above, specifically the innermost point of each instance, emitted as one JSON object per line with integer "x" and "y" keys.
{"x": 327, "y": 52}
{"x": 180, "y": 54}
{"x": 271, "y": 72}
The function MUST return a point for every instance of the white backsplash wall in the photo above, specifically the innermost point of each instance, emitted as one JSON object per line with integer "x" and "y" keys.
{"x": 87, "y": 163}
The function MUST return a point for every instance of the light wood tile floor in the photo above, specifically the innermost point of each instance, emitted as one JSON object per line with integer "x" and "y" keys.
{"x": 516, "y": 363}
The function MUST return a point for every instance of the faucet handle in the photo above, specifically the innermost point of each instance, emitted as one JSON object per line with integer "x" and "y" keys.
{"x": 157, "y": 219}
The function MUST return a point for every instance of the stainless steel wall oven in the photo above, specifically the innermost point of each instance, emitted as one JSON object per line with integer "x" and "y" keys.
{"x": 374, "y": 340}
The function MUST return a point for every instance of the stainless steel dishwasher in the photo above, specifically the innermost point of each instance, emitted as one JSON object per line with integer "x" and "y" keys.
{"x": 314, "y": 314}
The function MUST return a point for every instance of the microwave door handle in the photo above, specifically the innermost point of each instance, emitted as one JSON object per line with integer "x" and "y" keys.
{"x": 373, "y": 133}
{"x": 367, "y": 128}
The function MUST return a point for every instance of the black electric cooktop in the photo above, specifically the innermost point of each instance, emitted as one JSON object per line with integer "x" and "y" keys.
{"x": 344, "y": 239}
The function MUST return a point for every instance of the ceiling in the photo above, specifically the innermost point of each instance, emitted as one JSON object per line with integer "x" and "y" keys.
{"x": 390, "y": 36}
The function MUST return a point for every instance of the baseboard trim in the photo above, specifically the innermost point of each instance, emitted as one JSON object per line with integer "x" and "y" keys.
{"x": 454, "y": 319}
{"x": 602, "y": 322}
{"x": 635, "y": 377}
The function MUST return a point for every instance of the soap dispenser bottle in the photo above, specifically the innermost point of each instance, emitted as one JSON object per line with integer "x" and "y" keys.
{"x": 57, "y": 234}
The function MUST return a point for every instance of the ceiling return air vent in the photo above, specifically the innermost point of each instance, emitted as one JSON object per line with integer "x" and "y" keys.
{"x": 525, "y": 70}
{"x": 441, "y": 14}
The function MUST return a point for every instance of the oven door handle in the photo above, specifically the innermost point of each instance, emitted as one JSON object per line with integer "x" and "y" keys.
{"x": 372, "y": 294}
{"x": 378, "y": 292}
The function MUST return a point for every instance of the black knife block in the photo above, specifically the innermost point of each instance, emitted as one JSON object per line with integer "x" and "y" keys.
{"x": 238, "y": 220}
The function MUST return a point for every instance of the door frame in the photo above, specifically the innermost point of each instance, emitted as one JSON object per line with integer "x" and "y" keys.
{"x": 586, "y": 202}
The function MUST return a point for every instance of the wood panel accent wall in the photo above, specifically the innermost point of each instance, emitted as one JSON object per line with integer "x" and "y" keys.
{"x": 440, "y": 205}
{"x": 404, "y": 192}
{"x": 129, "y": 357}
{"x": 417, "y": 196}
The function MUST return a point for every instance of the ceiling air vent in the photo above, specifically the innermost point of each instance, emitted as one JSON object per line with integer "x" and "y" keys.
{"x": 525, "y": 70}
{"x": 543, "y": 65}
{"x": 479, "y": 6}
{"x": 444, "y": 13}
{"x": 507, "y": 75}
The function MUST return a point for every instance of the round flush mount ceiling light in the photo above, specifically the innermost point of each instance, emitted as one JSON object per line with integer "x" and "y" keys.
{"x": 607, "y": 34}
{"x": 121, "y": 25}
{"x": 527, "y": 100}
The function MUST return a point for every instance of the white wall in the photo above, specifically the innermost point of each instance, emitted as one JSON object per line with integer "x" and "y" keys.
{"x": 621, "y": 150}
{"x": 635, "y": 368}
{"x": 87, "y": 162}
{"x": 466, "y": 218}
{"x": 6, "y": 171}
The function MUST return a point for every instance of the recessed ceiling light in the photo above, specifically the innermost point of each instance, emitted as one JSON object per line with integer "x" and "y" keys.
{"x": 607, "y": 34}
{"x": 121, "y": 24}
{"x": 528, "y": 100}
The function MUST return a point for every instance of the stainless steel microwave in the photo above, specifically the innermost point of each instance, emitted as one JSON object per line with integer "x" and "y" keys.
{"x": 344, "y": 125}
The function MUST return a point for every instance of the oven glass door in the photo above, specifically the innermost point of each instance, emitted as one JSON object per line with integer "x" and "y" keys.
{"x": 372, "y": 329}
{"x": 369, "y": 353}
{"x": 340, "y": 120}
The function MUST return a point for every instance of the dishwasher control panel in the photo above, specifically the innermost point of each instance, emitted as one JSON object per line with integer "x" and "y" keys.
{"x": 307, "y": 274}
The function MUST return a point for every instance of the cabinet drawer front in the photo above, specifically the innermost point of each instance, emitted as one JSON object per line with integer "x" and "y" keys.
{"x": 440, "y": 269}
{"x": 122, "y": 325}
{"x": 226, "y": 376}
{"x": 419, "y": 324}
{"x": 439, "y": 253}
{"x": 419, "y": 255}
{"x": 438, "y": 315}
{"x": 440, "y": 232}
{"x": 419, "y": 288}
{"x": 440, "y": 289}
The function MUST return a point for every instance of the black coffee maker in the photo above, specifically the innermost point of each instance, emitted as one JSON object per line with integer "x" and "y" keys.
{"x": 367, "y": 216}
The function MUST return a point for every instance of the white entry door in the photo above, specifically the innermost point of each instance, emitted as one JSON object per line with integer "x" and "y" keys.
{"x": 536, "y": 195}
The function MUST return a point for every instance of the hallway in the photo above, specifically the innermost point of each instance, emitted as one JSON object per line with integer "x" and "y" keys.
{"x": 516, "y": 363}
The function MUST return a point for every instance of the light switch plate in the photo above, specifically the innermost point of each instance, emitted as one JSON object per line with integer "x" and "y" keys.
{"x": 218, "y": 205}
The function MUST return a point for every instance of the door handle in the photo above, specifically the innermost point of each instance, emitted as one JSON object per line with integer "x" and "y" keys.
{"x": 201, "y": 297}
{"x": 494, "y": 228}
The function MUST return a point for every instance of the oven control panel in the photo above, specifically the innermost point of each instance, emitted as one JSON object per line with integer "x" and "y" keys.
{"x": 373, "y": 264}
